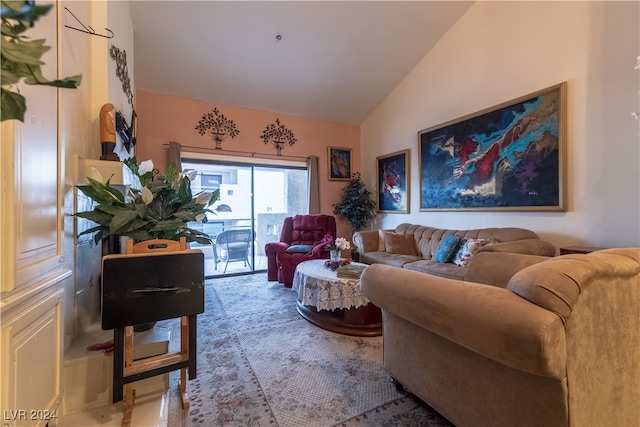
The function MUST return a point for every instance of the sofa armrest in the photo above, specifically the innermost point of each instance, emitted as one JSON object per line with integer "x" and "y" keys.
{"x": 526, "y": 247}
{"x": 497, "y": 268}
{"x": 366, "y": 241}
{"x": 558, "y": 284}
{"x": 488, "y": 320}
{"x": 275, "y": 248}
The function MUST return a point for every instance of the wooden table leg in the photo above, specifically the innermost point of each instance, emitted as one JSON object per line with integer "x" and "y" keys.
{"x": 184, "y": 349}
{"x": 129, "y": 392}
{"x": 192, "y": 347}
{"x": 118, "y": 364}
{"x": 123, "y": 362}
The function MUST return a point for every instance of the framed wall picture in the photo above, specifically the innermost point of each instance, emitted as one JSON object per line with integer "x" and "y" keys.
{"x": 393, "y": 172}
{"x": 509, "y": 157}
{"x": 339, "y": 164}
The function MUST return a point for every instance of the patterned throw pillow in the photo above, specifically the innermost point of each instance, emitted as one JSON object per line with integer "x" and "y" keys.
{"x": 448, "y": 248}
{"x": 467, "y": 250}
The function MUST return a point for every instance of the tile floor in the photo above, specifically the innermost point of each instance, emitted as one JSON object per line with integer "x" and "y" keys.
{"x": 149, "y": 411}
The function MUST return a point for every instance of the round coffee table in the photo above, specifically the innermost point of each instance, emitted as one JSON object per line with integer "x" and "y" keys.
{"x": 333, "y": 303}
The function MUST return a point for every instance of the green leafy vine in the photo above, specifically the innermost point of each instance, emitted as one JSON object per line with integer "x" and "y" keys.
{"x": 21, "y": 57}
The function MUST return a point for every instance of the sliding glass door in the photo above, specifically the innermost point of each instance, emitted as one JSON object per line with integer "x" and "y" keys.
{"x": 254, "y": 200}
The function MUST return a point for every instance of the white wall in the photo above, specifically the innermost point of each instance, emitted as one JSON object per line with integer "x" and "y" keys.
{"x": 88, "y": 55}
{"x": 120, "y": 23}
{"x": 500, "y": 51}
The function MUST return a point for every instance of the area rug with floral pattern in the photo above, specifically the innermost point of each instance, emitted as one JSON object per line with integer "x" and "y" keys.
{"x": 261, "y": 364}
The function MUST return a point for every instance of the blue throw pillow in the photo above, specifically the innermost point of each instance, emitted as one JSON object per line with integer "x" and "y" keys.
{"x": 448, "y": 248}
{"x": 299, "y": 249}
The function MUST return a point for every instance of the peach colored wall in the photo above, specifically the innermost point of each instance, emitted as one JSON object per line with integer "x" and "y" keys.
{"x": 164, "y": 118}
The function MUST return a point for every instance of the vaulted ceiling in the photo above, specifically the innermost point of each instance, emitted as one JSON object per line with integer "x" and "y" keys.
{"x": 328, "y": 60}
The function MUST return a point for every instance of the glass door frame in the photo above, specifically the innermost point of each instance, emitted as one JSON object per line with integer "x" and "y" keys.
{"x": 190, "y": 159}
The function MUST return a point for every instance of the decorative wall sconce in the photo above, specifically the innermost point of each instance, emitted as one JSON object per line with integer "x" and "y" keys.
{"x": 217, "y": 126}
{"x": 278, "y": 135}
{"x": 122, "y": 71}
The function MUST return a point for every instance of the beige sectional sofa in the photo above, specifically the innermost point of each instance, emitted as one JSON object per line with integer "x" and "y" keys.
{"x": 421, "y": 245}
{"x": 558, "y": 345}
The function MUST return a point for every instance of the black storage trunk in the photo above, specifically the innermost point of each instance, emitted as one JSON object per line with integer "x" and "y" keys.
{"x": 140, "y": 288}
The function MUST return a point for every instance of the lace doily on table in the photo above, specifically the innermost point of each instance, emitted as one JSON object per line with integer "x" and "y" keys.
{"x": 319, "y": 286}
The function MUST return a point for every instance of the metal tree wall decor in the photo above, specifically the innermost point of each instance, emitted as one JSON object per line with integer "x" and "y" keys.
{"x": 278, "y": 135}
{"x": 217, "y": 126}
{"x": 122, "y": 71}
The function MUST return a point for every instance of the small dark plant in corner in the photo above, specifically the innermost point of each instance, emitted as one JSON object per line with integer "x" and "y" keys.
{"x": 357, "y": 205}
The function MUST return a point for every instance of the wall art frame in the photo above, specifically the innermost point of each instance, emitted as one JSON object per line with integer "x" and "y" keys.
{"x": 339, "y": 162}
{"x": 510, "y": 157}
{"x": 394, "y": 182}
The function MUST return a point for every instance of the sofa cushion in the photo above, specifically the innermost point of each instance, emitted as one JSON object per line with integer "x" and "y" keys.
{"x": 309, "y": 229}
{"x": 497, "y": 268}
{"x": 448, "y": 248}
{"x": 387, "y": 258}
{"x": 401, "y": 244}
{"x": 435, "y": 268}
{"x": 525, "y": 246}
{"x": 381, "y": 245}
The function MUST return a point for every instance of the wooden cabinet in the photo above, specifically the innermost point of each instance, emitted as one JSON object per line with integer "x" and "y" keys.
{"x": 30, "y": 214}
{"x": 32, "y": 356}
{"x": 32, "y": 276}
{"x": 30, "y": 218}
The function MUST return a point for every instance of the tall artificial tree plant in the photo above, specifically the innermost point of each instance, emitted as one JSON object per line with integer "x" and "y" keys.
{"x": 21, "y": 56}
{"x": 356, "y": 204}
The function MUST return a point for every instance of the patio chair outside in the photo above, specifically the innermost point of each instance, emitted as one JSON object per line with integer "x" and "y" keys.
{"x": 231, "y": 246}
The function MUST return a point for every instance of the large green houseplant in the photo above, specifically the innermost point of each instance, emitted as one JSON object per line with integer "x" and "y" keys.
{"x": 356, "y": 204}
{"x": 21, "y": 56}
{"x": 160, "y": 210}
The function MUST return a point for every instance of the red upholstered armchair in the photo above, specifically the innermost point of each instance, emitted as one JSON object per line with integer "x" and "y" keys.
{"x": 299, "y": 241}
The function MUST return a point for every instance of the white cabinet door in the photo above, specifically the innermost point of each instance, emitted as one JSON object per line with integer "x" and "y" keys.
{"x": 30, "y": 221}
{"x": 31, "y": 359}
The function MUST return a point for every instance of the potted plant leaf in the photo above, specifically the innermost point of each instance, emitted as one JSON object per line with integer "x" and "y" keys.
{"x": 356, "y": 206}
{"x": 21, "y": 56}
{"x": 160, "y": 210}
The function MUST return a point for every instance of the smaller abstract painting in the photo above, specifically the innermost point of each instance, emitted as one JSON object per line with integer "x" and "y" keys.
{"x": 509, "y": 157}
{"x": 393, "y": 182}
{"x": 339, "y": 164}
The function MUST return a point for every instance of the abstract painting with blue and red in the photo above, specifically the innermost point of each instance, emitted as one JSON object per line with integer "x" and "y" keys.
{"x": 393, "y": 194}
{"x": 506, "y": 158}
